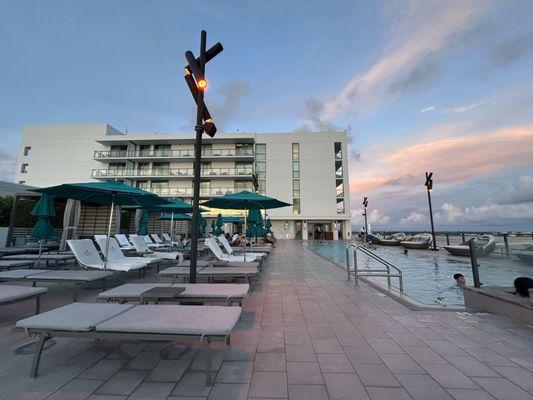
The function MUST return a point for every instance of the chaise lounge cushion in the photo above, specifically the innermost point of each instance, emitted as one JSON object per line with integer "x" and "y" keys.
{"x": 12, "y": 293}
{"x": 76, "y": 317}
{"x": 22, "y": 273}
{"x": 174, "y": 320}
{"x": 197, "y": 290}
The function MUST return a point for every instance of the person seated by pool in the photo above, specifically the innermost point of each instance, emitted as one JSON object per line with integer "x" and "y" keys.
{"x": 460, "y": 279}
{"x": 237, "y": 240}
{"x": 270, "y": 238}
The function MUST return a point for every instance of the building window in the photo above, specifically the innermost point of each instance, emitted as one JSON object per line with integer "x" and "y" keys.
{"x": 144, "y": 150}
{"x": 339, "y": 177}
{"x": 244, "y": 149}
{"x": 22, "y": 182}
{"x": 260, "y": 167}
{"x": 296, "y": 169}
{"x": 116, "y": 168}
{"x": 143, "y": 185}
{"x": 24, "y": 168}
{"x": 296, "y": 206}
{"x": 27, "y": 150}
{"x": 338, "y": 150}
{"x": 295, "y": 151}
{"x": 340, "y": 207}
{"x": 118, "y": 151}
{"x": 161, "y": 168}
{"x": 162, "y": 150}
{"x": 295, "y": 188}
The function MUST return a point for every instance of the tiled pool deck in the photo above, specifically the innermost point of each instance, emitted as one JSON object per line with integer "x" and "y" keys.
{"x": 305, "y": 334}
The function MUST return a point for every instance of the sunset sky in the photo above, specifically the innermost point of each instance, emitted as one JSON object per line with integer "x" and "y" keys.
{"x": 443, "y": 86}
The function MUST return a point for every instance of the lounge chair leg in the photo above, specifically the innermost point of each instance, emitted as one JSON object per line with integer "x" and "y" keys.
{"x": 208, "y": 376}
{"x": 103, "y": 284}
{"x": 37, "y": 357}
{"x": 228, "y": 340}
{"x": 75, "y": 294}
{"x": 37, "y": 304}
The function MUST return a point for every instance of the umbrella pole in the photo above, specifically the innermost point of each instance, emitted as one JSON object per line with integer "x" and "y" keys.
{"x": 40, "y": 251}
{"x": 172, "y": 230}
{"x": 109, "y": 229}
{"x": 245, "y": 228}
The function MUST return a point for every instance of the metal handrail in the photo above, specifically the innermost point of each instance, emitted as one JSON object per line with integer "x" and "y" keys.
{"x": 375, "y": 272}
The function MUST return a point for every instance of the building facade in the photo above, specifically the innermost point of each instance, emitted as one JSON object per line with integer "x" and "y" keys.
{"x": 307, "y": 169}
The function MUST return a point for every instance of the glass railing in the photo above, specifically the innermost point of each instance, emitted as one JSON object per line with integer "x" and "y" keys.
{"x": 168, "y": 172}
{"x": 188, "y": 192}
{"x": 178, "y": 153}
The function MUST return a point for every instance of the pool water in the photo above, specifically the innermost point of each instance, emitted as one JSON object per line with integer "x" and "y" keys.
{"x": 428, "y": 275}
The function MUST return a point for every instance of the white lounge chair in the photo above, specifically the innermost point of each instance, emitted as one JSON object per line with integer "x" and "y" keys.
{"x": 6, "y": 264}
{"x": 199, "y": 292}
{"x": 142, "y": 248}
{"x": 142, "y": 322}
{"x": 115, "y": 254}
{"x": 157, "y": 240}
{"x": 10, "y": 294}
{"x": 123, "y": 242}
{"x": 88, "y": 257}
{"x": 48, "y": 258}
{"x": 218, "y": 253}
{"x": 222, "y": 239}
{"x": 168, "y": 239}
{"x": 149, "y": 242}
{"x": 77, "y": 278}
{"x": 249, "y": 274}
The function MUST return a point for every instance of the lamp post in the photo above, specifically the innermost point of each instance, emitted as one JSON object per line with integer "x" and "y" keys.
{"x": 429, "y": 187}
{"x": 365, "y": 205}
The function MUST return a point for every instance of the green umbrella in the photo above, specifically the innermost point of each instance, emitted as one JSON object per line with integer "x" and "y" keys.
{"x": 268, "y": 225}
{"x": 232, "y": 220}
{"x": 213, "y": 227}
{"x": 104, "y": 193}
{"x": 245, "y": 201}
{"x": 143, "y": 224}
{"x": 44, "y": 210}
{"x": 202, "y": 224}
{"x": 219, "y": 223}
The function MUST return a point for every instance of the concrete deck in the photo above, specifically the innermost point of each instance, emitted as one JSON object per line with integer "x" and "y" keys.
{"x": 305, "y": 334}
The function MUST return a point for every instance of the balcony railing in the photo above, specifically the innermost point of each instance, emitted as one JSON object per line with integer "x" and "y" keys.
{"x": 178, "y": 153}
{"x": 172, "y": 173}
{"x": 188, "y": 192}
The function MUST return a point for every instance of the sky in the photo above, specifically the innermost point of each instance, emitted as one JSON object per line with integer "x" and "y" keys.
{"x": 419, "y": 85}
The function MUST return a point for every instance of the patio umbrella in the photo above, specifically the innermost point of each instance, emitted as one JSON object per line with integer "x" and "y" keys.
{"x": 44, "y": 210}
{"x": 268, "y": 225}
{"x": 104, "y": 193}
{"x": 143, "y": 224}
{"x": 245, "y": 201}
{"x": 219, "y": 223}
{"x": 213, "y": 227}
{"x": 202, "y": 224}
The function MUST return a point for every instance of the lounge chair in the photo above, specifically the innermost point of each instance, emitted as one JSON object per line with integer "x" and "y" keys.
{"x": 115, "y": 254}
{"x": 55, "y": 258}
{"x": 10, "y": 294}
{"x": 218, "y": 253}
{"x": 168, "y": 240}
{"x": 222, "y": 239}
{"x": 142, "y": 322}
{"x": 88, "y": 257}
{"x": 151, "y": 244}
{"x": 249, "y": 274}
{"x": 157, "y": 240}
{"x": 5, "y": 264}
{"x": 77, "y": 278}
{"x": 123, "y": 242}
{"x": 198, "y": 292}
{"x": 144, "y": 250}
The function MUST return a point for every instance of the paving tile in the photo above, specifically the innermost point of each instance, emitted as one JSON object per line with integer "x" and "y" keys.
{"x": 490, "y": 357}
{"x": 304, "y": 373}
{"x": 470, "y": 394}
{"x": 152, "y": 391}
{"x": 76, "y": 389}
{"x": 297, "y": 338}
{"x": 168, "y": 371}
{"x": 502, "y": 389}
{"x": 334, "y": 363}
{"x": 387, "y": 393}
{"x": 327, "y": 346}
{"x": 402, "y": 364}
{"x": 144, "y": 360}
{"x": 375, "y": 375}
{"x": 308, "y": 392}
{"x": 300, "y": 353}
{"x": 217, "y": 356}
{"x": 450, "y": 377}
{"x": 423, "y": 387}
{"x": 106, "y": 397}
{"x": 518, "y": 375}
{"x": 470, "y": 366}
{"x": 270, "y": 362}
{"x": 192, "y": 384}
{"x": 235, "y": 372}
{"x": 103, "y": 369}
{"x": 386, "y": 346}
{"x": 271, "y": 346}
{"x": 425, "y": 356}
{"x": 269, "y": 384}
{"x": 225, "y": 391}
{"x": 345, "y": 387}
{"x": 362, "y": 354}
{"x": 123, "y": 382}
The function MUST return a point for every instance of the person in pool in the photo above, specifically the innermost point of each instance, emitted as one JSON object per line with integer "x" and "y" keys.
{"x": 460, "y": 279}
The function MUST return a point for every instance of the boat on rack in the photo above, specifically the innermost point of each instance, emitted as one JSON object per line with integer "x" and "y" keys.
{"x": 393, "y": 240}
{"x": 420, "y": 241}
{"x": 526, "y": 255}
{"x": 485, "y": 244}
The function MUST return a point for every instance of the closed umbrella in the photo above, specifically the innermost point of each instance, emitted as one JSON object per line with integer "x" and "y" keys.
{"x": 245, "y": 201}
{"x": 143, "y": 224}
{"x": 219, "y": 223}
{"x": 104, "y": 193}
{"x": 213, "y": 227}
{"x": 268, "y": 225}
{"x": 44, "y": 210}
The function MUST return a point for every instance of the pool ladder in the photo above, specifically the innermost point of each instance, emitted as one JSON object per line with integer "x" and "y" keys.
{"x": 374, "y": 272}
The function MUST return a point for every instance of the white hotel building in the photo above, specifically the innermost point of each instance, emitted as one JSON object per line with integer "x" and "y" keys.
{"x": 307, "y": 169}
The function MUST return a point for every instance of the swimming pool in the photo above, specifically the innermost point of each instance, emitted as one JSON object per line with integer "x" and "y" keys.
{"x": 428, "y": 275}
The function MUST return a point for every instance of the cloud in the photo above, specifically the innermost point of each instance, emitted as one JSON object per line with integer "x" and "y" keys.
{"x": 519, "y": 192}
{"x": 375, "y": 217}
{"x": 8, "y": 162}
{"x": 232, "y": 95}
{"x": 428, "y": 109}
{"x": 488, "y": 215}
{"x": 413, "y": 219}
{"x": 511, "y": 50}
{"x": 463, "y": 109}
{"x": 410, "y": 59}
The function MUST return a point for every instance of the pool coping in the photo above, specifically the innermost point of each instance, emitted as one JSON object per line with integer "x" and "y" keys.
{"x": 405, "y": 300}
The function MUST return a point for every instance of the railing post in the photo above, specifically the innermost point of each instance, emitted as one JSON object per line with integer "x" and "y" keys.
{"x": 348, "y": 261}
{"x": 356, "y": 280}
{"x": 506, "y": 242}
{"x": 463, "y": 236}
{"x": 473, "y": 261}
{"x": 447, "y": 239}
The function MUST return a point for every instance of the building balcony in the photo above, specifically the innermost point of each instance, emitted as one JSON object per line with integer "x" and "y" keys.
{"x": 179, "y": 155}
{"x": 177, "y": 173}
{"x": 188, "y": 192}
